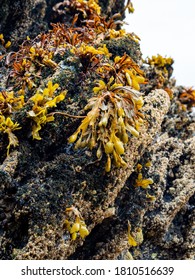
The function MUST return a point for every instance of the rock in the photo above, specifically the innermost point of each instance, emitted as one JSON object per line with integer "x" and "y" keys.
{"x": 58, "y": 202}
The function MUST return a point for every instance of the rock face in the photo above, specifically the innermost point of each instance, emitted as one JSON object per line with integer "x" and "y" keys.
{"x": 58, "y": 202}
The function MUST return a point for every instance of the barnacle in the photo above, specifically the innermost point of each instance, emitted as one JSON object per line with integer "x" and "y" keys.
{"x": 8, "y": 126}
{"x": 113, "y": 116}
{"x": 42, "y": 102}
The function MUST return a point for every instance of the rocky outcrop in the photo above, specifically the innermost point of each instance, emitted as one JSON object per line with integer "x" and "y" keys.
{"x": 58, "y": 202}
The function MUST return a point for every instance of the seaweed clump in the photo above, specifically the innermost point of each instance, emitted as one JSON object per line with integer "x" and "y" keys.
{"x": 115, "y": 101}
{"x": 114, "y": 114}
{"x": 159, "y": 70}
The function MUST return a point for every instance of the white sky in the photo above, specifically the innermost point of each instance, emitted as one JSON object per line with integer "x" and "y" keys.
{"x": 167, "y": 27}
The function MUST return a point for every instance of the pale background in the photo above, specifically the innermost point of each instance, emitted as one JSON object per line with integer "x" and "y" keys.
{"x": 167, "y": 27}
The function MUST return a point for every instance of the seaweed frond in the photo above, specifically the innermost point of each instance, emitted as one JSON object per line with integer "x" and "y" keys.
{"x": 42, "y": 102}
{"x": 8, "y": 126}
{"x": 114, "y": 116}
